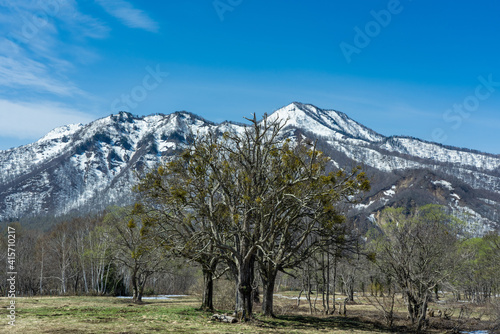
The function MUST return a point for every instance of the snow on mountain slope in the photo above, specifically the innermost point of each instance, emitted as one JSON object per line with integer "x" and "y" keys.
{"x": 21, "y": 160}
{"x": 87, "y": 167}
{"x": 325, "y": 123}
{"x": 432, "y": 151}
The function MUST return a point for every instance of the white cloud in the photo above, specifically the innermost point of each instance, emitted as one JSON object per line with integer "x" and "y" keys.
{"x": 128, "y": 15}
{"x": 23, "y": 72}
{"x": 33, "y": 57}
{"x": 44, "y": 41}
{"x": 35, "y": 21}
{"x": 34, "y": 120}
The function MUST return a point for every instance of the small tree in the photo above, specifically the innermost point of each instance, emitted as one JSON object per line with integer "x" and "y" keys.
{"x": 417, "y": 251}
{"x": 135, "y": 248}
{"x": 179, "y": 200}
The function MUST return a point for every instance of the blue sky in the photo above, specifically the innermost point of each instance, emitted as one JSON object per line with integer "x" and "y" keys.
{"x": 420, "y": 68}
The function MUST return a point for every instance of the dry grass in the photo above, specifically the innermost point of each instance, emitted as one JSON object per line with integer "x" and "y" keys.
{"x": 113, "y": 315}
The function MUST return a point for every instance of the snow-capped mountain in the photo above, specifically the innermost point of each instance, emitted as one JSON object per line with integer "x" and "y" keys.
{"x": 88, "y": 167}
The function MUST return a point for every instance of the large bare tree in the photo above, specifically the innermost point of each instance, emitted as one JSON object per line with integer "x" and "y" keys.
{"x": 247, "y": 197}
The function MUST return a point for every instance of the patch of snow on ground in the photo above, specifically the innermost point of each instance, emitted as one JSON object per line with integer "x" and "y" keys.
{"x": 286, "y": 297}
{"x": 361, "y": 206}
{"x": 488, "y": 201}
{"x": 163, "y": 297}
{"x": 444, "y": 184}
{"x": 166, "y": 145}
{"x": 390, "y": 192}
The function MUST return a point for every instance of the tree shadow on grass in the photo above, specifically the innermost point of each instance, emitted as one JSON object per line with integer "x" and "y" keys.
{"x": 321, "y": 323}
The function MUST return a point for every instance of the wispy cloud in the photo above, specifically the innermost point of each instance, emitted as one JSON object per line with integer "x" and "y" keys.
{"x": 33, "y": 120}
{"x": 42, "y": 43}
{"x": 80, "y": 25}
{"x": 33, "y": 21}
{"x": 26, "y": 73}
{"x": 33, "y": 56}
{"x": 128, "y": 15}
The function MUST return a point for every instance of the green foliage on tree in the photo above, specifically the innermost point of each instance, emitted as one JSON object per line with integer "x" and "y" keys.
{"x": 479, "y": 266}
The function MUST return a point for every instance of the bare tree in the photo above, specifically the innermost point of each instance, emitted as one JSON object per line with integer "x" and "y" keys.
{"x": 60, "y": 249}
{"x": 135, "y": 248}
{"x": 82, "y": 241}
{"x": 416, "y": 250}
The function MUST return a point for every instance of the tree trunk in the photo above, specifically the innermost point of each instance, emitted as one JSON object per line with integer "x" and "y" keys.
{"x": 107, "y": 276}
{"x": 244, "y": 300}
{"x": 208, "y": 290}
{"x": 423, "y": 312}
{"x": 63, "y": 281}
{"x": 85, "y": 283}
{"x": 413, "y": 308}
{"x": 334, "y": 301}
{"x": 77, "y": 281}
{"x": 350, "y": 288}
{"x": 324, "y": 283}
{"x": 308, "y": 291}
{"x": 298, "y": 298}
{"x": 327, "y": 311}
{"x": 135, "y": 289}
{"x": 63, "y": 272}
{"x": 268, "y": 284}
{"x": 141, "y": 291}
{"x": 41, "y": 274}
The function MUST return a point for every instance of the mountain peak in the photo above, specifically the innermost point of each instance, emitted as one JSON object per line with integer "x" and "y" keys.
{"x": 61, "y": 132}
{"x": 325, "y": 123}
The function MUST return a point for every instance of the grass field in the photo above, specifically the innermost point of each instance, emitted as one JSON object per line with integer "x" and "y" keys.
{"x": 179, "y": 315}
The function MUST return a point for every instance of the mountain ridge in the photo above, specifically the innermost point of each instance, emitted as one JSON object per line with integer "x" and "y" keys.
{"x": 465, "y": 149}
{"x": 85, "y": 167}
